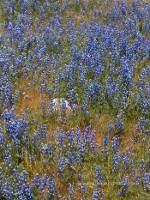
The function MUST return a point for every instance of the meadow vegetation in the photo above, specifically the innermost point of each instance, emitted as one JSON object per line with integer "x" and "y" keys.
{"x": 96, "y": 56}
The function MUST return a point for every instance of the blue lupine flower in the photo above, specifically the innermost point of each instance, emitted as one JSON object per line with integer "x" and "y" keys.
{"x": 138, "y": 180}
{"x": 7, "y": 190}
{"x": 70, "y": 158}
{"x": 126, "y": 162}
{"x": 99, "y": 176}
{"x": 82, "y": 148}
{"x": 119, "y": 127}
{"x": 97, "y": 194}
{"x": 142, "y": 165}
{"x": 105, "y": 141}
{"x": 115, "y": 144}
{"x": 71, "y": 191}
{"x": 7, "y": 155}
{"x": 78, "y": 159}
{"x": 82, "y": 187}
{"x": 46, "y": 149}
{"x": 146, "y": 181}
{"x": 62, "y": 164}
{"x": 1, "y": 137}
{"x": 115, "y": 162}
{"x": 124, "y": 186}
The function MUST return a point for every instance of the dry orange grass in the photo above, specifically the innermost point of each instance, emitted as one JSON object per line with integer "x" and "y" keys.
{"x": 100, "y": 124}
{"x": 30, "y": 97}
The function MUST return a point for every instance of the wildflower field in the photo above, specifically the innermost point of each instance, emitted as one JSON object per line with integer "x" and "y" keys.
{"x": 74, "y": 100}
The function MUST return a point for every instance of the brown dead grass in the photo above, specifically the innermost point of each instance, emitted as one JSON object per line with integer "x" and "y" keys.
{"x": 100, "y": 124}
{"x": 1, "y": 30}
{"x": 128, "y": 134}
{"x": 30, "y": 97}
{"x": 31, "y": 100}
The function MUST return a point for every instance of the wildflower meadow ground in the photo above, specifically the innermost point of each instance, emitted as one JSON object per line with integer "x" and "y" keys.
{"x": 74, "y": 99}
